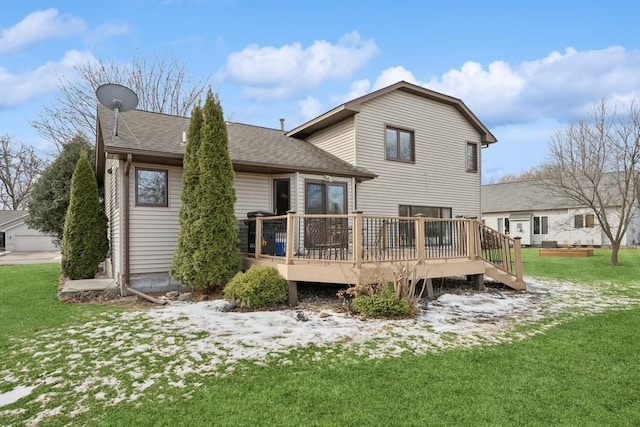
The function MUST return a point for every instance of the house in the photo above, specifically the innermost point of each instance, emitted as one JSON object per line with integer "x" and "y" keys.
{"x": 16, "y": 236}
{"x": 528, "y": 210}
{"x": 400, "y": 152}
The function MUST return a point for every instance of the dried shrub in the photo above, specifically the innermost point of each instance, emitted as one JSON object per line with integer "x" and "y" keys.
{"x": 387, "y": 291}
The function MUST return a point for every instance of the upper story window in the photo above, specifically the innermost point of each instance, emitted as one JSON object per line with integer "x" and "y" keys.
{"x": 472, "y": 157}
{"x": 399, "y": 144}
{"x": 152, "y": 187}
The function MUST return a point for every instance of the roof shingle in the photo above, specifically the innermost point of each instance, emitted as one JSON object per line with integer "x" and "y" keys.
{"x": 156, "y": 134}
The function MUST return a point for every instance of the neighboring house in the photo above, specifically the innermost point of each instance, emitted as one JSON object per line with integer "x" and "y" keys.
{"x": 16, "y": 236}
{"x": 527, "y": 210}
{"x": 401, "y": 151}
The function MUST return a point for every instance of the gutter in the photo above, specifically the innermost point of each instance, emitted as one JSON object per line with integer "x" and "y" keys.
{"x": 127, "y": 251}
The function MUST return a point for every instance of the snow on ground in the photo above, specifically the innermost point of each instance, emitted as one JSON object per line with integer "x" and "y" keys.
{"x": 137, "y": 354}
{"x": 14, "y": 395}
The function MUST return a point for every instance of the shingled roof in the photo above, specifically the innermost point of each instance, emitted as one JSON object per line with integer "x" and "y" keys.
{"x": 521, "y": 196}
{"x": 7, "y": 216}
{"x": 156, "y": 135}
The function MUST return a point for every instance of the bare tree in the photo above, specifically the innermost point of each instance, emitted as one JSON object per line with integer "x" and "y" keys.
{"x": 595, "y": 162}
{"x": 162, "y": 86}
{"x": 20, "y": 168}
{"x": 535, "y": 173}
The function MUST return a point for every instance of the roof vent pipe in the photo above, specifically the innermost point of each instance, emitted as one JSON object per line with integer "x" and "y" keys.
{"x": 282, "y": 124}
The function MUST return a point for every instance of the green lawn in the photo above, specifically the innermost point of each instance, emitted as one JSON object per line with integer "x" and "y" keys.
{"x": 593, "y": 269}
{"x": 584, "y": 371}
{"x": 29, "y": 302}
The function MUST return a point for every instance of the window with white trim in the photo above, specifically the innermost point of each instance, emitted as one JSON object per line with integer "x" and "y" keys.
{"x": 540, "y": 225}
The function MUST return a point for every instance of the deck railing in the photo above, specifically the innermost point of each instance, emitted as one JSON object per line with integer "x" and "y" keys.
{"x": 500, "y": 250}
{"x": 361, "y": 239}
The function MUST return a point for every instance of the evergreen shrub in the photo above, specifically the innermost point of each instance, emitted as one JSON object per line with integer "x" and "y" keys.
{"x": 382, "y": 304}
{"x": 258, "y": 287}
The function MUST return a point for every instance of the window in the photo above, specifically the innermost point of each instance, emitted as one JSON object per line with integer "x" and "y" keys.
{"x": 151, "y": 187}
{"x": 589, "y": 220}
{"x": 584, "y": 221}
{"x": 399, "y": 145}
{"x": 325, "y": 198}
{"x": 540, "y": 225}
{"x": 429, "y": 212}
{"x": 472, "y": 157}
{"x": 436, "y": 233}
{"x": 503, "y": 225}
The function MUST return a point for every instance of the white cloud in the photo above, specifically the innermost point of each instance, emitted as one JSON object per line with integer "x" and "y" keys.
{"x": 107, "y": 30}
{"x": 393, "y": 75}
{"x": 310, "y": 108}
{"x": 359, "y": 88}
{"x": 277, "y": 72}
{"x": 558, "y": 86}
{"x": 16, "y": 89}
{"x": 39, "y": 25}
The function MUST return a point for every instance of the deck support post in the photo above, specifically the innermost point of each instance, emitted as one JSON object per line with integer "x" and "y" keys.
{"x": 429, "y": 285}
{"x": 357, "y": 239}
{"x": 517, "y": 257}
{"x": 420, "y": 240}
{"x": 258, "y": 239}
{"x": 292, "y": 292}
{"x": 473, "y": 238}
{"x": 477, "y": 280}
{"x": 288, "y": 250}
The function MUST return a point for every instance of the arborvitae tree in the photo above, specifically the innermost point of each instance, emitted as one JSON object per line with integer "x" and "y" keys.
{"x": 217, "y": 257}
{"x": 182, "y": 266}
{"x": 84, "y": 242}
{"x": 50, "y": 196}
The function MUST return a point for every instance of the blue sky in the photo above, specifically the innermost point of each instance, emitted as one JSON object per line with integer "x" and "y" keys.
{"x": 526, "y": 69}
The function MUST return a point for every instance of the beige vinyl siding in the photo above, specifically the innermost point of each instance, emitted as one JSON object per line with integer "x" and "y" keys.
{"x": 253, "y": 193}
{"x": 153, "y": 231}
{"x": 338, "y": 140}
{"x": 437, "y": 178}
{"x": 113, "y": 202}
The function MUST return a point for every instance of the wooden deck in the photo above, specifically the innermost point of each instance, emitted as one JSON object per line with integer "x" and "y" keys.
{"x": 360, "y": 248}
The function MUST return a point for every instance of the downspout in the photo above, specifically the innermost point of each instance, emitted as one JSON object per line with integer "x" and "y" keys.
{"x": 127, "y": 168}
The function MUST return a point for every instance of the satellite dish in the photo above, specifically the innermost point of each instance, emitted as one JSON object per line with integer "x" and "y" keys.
{"x": 117, "y": 98}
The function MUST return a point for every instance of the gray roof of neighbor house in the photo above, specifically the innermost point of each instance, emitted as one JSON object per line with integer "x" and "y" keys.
{"x": 533, "y": 195}
{"x": 7, "y": 217}
{"x": 353, "y": 107}
{"x": 155, "y": 135}
{"x": 521, "y": 196}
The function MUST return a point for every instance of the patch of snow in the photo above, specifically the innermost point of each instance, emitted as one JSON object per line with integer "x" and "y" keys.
{"x": 14, "y": 395}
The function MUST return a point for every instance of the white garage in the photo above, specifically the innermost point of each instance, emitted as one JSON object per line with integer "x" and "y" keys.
{"x": 25, "y": 243}
{"x": 16, "y": 236}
